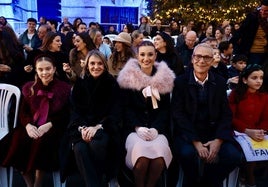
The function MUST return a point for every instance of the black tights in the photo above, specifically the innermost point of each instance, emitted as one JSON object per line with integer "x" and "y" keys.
{"x": 147, "y": 171}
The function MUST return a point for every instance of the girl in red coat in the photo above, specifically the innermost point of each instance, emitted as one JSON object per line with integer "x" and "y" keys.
{"x": 250, "y": 110}
{"x": 43, "y": 117}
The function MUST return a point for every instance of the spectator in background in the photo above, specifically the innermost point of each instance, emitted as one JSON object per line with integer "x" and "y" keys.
{"x": 190, "y": 25}
{"x": 219, "y": 34}
{"x": 239, "y": 62}
{"x": 3, "y": 21}
{"x": 201, "y": 29}
{"x": 100, "y": 28}
{"x": 11, "y": 58}
{"x": 29, "y": 38}
{"x": 251, "y": 38}
{"x": 51, "y": 46}
{"x": 174, "y": 28}
{"x": 137, "y": 38}
{"x": 208, "y": 33}
{"x": 166, "y": 52}
{"x": 53, "y": 25}
{"x": 218, "y": 66}
{"x": 43, "y": 30}
{"x": 157, "y": 28}
{"x": 42, "y": 20}
{"x": 227, "y": 33}
{"x": 76, "y": 22}
{"x": 144, "y": 25}
{"x": 92, "y": 26}
{"x": 82, "y": 27}
{"x": 64, "y": 23}
{"x": 96, "y": 37}
{"x": 111, "y": 30}
{"x": 181, "y": 37}
{"x": 226, "y": 49}
{"x": 107, "y": 40}
{"x": 185, "y": 51}
{"x": 83, "y": 45}
{"x": 211, "y": 41}
{"x": 128, "y": 28}
{"x": 121, "y": 54}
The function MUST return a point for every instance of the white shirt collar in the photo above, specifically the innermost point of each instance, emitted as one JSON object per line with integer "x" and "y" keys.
{"x": 201, "y": 82}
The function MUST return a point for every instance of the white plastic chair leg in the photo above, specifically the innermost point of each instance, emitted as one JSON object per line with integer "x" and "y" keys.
{"x": 56, "y": 180}
{"x": 10, "y": 176}
{"x": 232, "y": 178}
{"x": 180, "y": 181}
{"x": 3, "y": 177}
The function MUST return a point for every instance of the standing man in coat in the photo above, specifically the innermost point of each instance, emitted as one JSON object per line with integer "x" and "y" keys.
{"x": 252, "y": 37}
{"x": 203, "y": 141}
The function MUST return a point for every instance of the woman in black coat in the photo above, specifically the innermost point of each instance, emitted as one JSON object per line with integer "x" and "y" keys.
{"x": 94, "y": 121}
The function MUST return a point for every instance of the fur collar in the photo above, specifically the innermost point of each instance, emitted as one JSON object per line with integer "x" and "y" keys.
{"x": 131, "y": 77}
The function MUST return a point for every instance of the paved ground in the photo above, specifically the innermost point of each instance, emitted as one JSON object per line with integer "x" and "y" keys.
{"x": 76, "y": 181}
{"x": 72, "y": 181}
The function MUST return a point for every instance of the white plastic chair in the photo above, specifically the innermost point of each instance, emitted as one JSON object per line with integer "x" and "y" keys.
{"x": 56, "y": 180}
{"x": 229, "y": 181}
{"x": 6, "y": 93}
{"x": 111, "y": 36}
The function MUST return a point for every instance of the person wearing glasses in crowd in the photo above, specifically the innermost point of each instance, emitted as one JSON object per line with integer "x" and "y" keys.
{"x": 203, "y": 141}
{"x": 252, "y": 37}
{"x": 249, "y": 105}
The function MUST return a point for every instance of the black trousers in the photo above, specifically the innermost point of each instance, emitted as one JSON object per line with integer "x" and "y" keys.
{"x": 91, "y": 159}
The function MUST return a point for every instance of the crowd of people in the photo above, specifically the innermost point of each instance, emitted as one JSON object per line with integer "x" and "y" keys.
{"x": 143, "y": 103}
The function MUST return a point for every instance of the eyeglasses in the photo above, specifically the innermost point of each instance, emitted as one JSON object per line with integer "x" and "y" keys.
{"x": 205, "y": 58}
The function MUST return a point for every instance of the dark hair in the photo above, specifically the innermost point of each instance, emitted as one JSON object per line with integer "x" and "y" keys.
{"x": 169, "y": 41}
{"x": 224, "y": 45}
{"x": 130, "y": 27}
{"x": 146, "y": 43}
{"x": 5, "y": 21}
{"x": 32, "y": 20}
{"x": 48, "y": 39}
{"x": 10, "y": 48}
{"x": 219, "y": 29}
{"x": 239, "y": 57}
{"x": 53, "y": 22}
{"x": 242, "y": 88}
{"x": 87, "y": 40}
{"x": 92, "y": 23}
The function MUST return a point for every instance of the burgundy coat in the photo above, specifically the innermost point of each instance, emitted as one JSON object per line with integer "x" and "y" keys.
{"x": 27, "y": 154}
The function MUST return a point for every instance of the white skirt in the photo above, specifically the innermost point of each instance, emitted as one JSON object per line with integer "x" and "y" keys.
{"x": 137, "y": 147}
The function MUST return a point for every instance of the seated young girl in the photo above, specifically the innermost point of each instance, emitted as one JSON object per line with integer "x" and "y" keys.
{"x": 250, "y": 110}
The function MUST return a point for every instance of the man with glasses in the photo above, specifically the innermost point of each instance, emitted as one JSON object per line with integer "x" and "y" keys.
{"x": 203, "y": 142}
{"x": 252, "y": 37}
